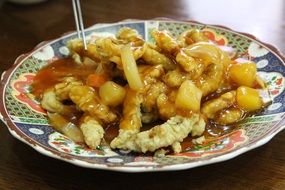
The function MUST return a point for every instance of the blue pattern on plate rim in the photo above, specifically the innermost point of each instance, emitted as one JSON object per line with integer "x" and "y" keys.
{"x": 275, "y": 66}
{"x": 275, "y": 63}
{"x": 43, "y": 138}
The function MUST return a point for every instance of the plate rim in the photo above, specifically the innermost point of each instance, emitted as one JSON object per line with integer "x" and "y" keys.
{"x": 14, "y": 131}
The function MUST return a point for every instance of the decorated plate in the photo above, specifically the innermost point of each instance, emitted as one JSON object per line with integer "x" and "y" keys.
{"x": 26, "y": 120}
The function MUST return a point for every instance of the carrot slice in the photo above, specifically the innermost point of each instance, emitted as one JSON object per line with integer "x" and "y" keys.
{"x": 96, "y": 80}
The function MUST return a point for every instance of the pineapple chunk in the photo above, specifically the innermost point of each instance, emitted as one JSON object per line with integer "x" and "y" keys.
{"x": 111, "y": 93}
{"x": 243, "y": 74}
{"x": 188, "y": 96}
{"x": 248, "y": 99}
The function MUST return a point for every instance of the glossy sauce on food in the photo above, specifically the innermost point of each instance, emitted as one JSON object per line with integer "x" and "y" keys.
{"x": 52, "y": 74}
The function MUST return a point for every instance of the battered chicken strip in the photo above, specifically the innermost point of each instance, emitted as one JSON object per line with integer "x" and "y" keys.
{"x": 166, "y": 107}
{"x": 130, "y": 123}
{"x": 149, "y": 117}
{"x": 150, "y": 74}
{"x": 149, "y": 103}
{"x": 174, "y": 78}
{"x": 87, "y": 100}
{"x": 153, "y": 57}
{"x": 169, "y": 133}
{"x": 76, "y": 49}
{"x": 92, "y": 131}
{"x": 152, "y": 89}
{"x": 52, "y": 103}
{"x": 165, "y": 41}
{"x": 152, "y": 85}
{"x": 105, "y": 49}
{"x": 131, "y": 112}
{"x": 211, "y": 107}
{"x": 211, "y": 79}
{"x": 193, "y": 67}
{"x": 188, "y": 63}
{"x": 130, "y": 35}
{"x": 150, "y": 97}
{"x": 62, "y": 89}
{"x": 191, "y": 36}
{"x": 229, "y": 116}
{"x": 215, "y": 63}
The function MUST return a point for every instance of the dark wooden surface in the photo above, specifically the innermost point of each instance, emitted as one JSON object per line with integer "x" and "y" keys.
{"x": 23, "y": 27}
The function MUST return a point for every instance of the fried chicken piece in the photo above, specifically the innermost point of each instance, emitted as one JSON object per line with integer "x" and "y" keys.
{"x": 154, "y": 57}
{"x": 77, "y": 51}
{"x": 92, "y": 131}
{"x": 107, "y": 48}
{"x": 130, "y": 35}
{"x": 150, "y": 97}
{"x": 87, "y": 100}
{"x": 131, "y": 121}
{"x": 62, "y": 89}
{"x": 165, "y": 41}
{"x": 174, "y": 78}
{"x": 211, "y": 79}
{"x": 188, "y": 63}
{"x": 51, "y": 103}
{"x": 214, "y": 61}
{"x": 149, "y": 117}
{"x": 191, "y": 36}
{"x": 149, "y": 107}
{"x": 152, "y": 89}
{"x": 131, "y": 111}
{"x": 150, "y": 74}
{"x": 193, "y": 67}
{"x": 229, "y": 116}
{"x": 212, "y": 107}
{"x": 166, "y": 108}
{"x": 172, "y": 131}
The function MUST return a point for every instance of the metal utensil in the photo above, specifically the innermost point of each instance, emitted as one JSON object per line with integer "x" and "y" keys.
{"x": 79, "y": 21}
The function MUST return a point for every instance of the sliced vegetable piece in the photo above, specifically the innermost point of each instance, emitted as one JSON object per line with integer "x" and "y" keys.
{"x": 96, "y": 80}
{"x": 130, "y": 68}
{"x": 61, "y": 124}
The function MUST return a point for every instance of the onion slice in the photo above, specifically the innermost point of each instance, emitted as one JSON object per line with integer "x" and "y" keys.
{"x": 130, "y": 68}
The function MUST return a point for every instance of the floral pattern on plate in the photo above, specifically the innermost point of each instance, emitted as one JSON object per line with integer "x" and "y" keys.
{"x": 275, "y": 82}
{"x": 218, "y": 145}
{"x": 213, "y": 36}
{"x": 22, "y": 93}
{"x": 64, "y": 144}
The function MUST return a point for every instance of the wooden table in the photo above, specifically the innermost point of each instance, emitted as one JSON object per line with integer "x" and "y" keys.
{"x": 22, "y": 27}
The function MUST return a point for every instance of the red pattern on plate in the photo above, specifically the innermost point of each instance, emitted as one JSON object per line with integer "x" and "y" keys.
{"x": 219, "y": 145}
{"x": 213, "y": 36}
{"x": 21, "y": 93}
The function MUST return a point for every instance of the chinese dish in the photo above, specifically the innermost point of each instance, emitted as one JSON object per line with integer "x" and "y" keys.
{"x": 146, "y": 97}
